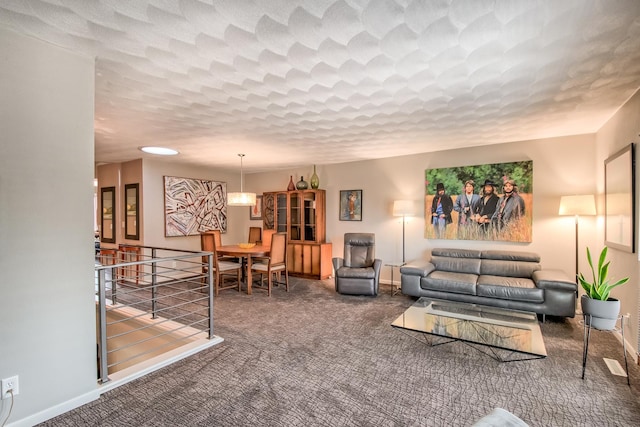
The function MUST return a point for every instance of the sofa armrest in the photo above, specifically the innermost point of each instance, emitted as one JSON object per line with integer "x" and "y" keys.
{"x": 337, "y": 263}
{"x": 417, "y": 268}
{"x": 554, "y": 279}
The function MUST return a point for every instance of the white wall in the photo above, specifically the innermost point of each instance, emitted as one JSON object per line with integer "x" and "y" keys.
{"x": 47, "y": 315}
{"x": 622, "y": 129}
{"x": 561, "y": 166}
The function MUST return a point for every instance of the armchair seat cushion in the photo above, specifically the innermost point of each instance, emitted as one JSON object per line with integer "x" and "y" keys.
{"x": 357, "y": 273}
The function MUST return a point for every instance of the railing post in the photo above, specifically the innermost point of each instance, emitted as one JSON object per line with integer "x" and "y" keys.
{"x": 154, "y": 284}
{"x": 114, "y": 281}
{"x": 102, "y": 321}
{"x": 210, "y": 288}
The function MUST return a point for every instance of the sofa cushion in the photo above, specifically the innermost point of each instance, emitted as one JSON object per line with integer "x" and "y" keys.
{"x": 452, "y": 264}
{"x": 447, "y": 281}
{"x": 493, "y": 267}
{"x": 509, "y": 288}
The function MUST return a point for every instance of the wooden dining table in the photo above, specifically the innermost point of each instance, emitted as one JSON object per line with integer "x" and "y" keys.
{"x": 248, "y": 253}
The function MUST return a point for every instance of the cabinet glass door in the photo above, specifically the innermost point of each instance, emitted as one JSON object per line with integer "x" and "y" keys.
{"x": 281, "y": 213}
{"x": 295, "y": 212}
{"x": 309, "y": 204}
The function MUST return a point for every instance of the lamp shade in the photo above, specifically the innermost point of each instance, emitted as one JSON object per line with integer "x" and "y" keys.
{"x": 403, "y": 208}
{"x": 241, "y": 198}
{"x": 577, "y": 205}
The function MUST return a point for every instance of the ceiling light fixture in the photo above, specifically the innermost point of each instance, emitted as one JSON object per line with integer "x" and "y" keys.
{"x": 162, "y": 151}
{"x": 241, "y": 198}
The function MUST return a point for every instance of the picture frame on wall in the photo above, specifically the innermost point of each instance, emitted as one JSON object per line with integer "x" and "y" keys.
{"x": 350, "y": 205}
{"x": 255, "y": 212}
{"x": 619, "y": 190}
{"x": 480, "y": 202}
{"x": 193, "y": 206}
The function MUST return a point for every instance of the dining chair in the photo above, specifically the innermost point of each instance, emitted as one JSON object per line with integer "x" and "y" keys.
{"x": 255, "y": 234}
{"x": 266, "y": 241}
{"x": 276, "y": 263}
{"x": 130, "y": 254}
{"x": 218, "y": 241}
{"x": 221, "y": 267}
{"x": 266, "y": 237}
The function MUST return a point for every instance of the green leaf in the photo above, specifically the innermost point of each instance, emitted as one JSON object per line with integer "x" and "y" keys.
{"x": 599, "y": 288}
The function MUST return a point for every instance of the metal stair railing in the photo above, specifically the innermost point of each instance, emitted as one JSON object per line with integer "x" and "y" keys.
{"x": 166, "y": 303}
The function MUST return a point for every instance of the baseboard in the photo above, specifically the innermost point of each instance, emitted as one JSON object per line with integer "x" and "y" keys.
{"x": 119, "y": 379}
{"x": 141, "y": 369}
{"x": 56, "y": 410}
{"x": 630, "y": 349}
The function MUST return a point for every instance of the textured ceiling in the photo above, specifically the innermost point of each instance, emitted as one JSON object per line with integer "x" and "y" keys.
{"x": 298, "y": 82}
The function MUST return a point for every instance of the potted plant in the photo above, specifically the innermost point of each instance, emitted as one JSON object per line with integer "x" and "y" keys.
{"x": 603, "y": 309}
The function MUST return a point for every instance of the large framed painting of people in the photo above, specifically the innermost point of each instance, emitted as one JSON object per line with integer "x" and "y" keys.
{"x": 192, "y": 206}
{"x": 482, "y": 202}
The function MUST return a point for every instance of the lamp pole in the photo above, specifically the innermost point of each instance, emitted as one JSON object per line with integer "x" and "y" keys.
{"x": 576, "y": 276}
{"x": 403, "y": 239}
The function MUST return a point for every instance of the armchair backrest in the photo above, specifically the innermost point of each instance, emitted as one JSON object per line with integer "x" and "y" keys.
{"x": 359, "y": 249}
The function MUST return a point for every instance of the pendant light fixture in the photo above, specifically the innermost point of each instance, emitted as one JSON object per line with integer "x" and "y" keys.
{"x": 241, "y": 198}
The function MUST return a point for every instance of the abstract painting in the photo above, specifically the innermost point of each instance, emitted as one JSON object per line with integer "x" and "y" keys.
{"x": 194, "y": 205}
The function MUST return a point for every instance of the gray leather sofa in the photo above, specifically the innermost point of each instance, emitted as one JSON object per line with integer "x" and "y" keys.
{"x": 512, "y": 280}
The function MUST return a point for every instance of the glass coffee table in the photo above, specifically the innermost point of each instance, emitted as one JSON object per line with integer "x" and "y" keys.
{"x": 505, "y": 335}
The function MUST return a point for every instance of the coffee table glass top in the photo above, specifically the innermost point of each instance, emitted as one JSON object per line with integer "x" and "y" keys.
{"x": 517, "y": 331}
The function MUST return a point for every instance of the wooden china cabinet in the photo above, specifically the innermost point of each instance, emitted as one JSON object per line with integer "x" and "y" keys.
{"x": 301, "y": 214}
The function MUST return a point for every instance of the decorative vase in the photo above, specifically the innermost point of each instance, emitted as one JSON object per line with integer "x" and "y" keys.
{"x": 314, "y": 181}
{"x": 302, "y": 184}
{"x": 291, "y": 186}
{"x": 604, "y": 314}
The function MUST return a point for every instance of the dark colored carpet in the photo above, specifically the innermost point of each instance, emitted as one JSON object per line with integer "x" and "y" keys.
{"x": 313, "y": 357}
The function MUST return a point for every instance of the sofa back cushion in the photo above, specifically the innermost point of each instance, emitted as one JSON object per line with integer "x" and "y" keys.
{"x": 511, "y": 256}
{"x": 509, "y": 264}
{"x": 456, "y": 260}
{"x": 494, "y": 267}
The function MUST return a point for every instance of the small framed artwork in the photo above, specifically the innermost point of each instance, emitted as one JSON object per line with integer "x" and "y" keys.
{"x": 255, "y": 212}
{"x": 350, "y": 205}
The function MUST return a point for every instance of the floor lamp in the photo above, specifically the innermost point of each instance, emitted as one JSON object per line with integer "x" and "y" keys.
{"x": 403, "y": 208}
{"x": 576, "y": 206}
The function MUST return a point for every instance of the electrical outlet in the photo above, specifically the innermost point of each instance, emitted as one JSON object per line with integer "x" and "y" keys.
{"x": 10, "y": 383}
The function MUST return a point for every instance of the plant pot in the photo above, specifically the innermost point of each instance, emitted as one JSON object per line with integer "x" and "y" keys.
{"x": 604, "y": 314}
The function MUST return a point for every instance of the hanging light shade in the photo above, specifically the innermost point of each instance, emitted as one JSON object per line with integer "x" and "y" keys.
{"x": 241, "y": 198}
